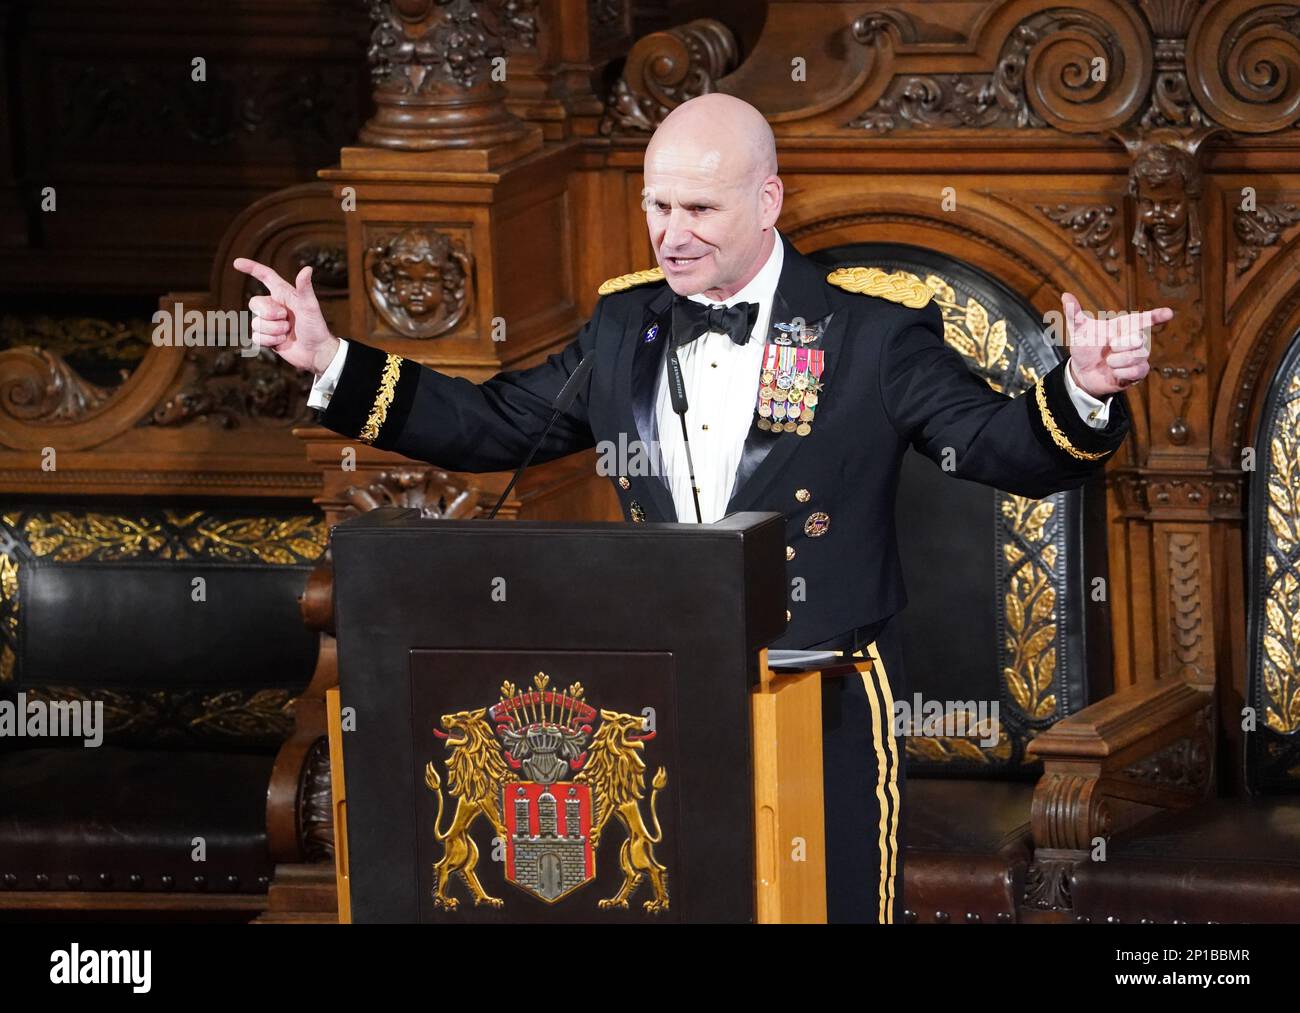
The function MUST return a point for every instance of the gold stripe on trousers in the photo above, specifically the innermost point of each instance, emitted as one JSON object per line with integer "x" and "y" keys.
{"x": 880, "y": 697}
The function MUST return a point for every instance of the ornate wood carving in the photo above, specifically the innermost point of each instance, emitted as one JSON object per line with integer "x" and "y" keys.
{"x": 1181, "y": 764}
{"x": 1263, "y": 226}
{"x": 436, "y": 68}
{"x": 1070, "y": 69}
{"x": 433, "y": 492}
{"x": 665, "y": 69}
{"x": 1179, "y": 496}
{"x": 37, "y": 386}
{"x": 315, "y": 805}
{"x": 1094, "y": 227}
{"x": 419, "y": 281}
{"x": 230, "y": 389}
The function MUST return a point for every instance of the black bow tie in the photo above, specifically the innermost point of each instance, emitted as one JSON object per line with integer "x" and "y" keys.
{"x": 691, "y": 319}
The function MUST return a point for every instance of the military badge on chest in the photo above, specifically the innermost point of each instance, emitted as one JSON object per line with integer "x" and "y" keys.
{"x": 789, "y": 383}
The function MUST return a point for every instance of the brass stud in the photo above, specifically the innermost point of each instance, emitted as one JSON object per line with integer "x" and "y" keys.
{"x": 802, "y": 495}
{"x": 789, "y": 552}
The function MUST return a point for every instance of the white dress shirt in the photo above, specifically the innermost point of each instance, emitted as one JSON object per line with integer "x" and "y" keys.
{"x": 721, "y": 385}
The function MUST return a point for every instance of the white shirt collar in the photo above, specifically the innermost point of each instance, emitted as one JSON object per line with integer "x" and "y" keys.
{"x": 762, "y": 287}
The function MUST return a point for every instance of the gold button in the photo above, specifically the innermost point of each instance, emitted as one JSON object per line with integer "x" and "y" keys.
{"x": 1092, "y": 415}
{"x": 789, "y": 552}
{"x": 802, "y": 495}
{"x": 787, "y": 615}
{"x": 623, "y": 483}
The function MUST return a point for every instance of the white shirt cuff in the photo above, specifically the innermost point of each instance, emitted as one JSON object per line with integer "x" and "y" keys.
{"x": 323, "y": 388}
{"x": 1095, "y": 413}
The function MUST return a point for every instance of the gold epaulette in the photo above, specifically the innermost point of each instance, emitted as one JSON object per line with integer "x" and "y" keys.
{"x": 626, "y": 281}
{"x": 900, "y": 286}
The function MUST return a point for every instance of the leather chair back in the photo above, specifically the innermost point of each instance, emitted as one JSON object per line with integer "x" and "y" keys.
{"x": 182, "y": 622}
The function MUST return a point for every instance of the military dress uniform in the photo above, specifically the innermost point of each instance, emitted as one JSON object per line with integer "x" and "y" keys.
{"x": 854, "y": 371}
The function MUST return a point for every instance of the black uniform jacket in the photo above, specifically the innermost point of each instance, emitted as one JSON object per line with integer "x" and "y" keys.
{"x": 889, "y": 381}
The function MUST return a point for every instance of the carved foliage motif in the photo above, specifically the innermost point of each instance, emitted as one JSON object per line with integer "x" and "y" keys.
{"x": 1185, "y": 603}
{"x": 229, "y": 388}
{"x": 169, "y": 534}
{"x": 1184, "y": 763}
{"x": 1046, "y": 75}
{"x": 1280, "y": 659}
{"x": 665, "y": 69}
{"x": 422, "y": 46}
{"x": 1094, "y": 227}
{"x": 430, "y": 490}
{"x": 1261, "y": 227}
{"x": 38, "y": 386}
{"x": 176, "y": 717}
{"x": 314, "y": 809}
{"x": 419, "y": 281}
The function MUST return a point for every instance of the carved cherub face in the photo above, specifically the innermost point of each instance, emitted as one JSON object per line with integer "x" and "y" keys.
{"x": 416, "y": 285}
{"x": 1161, "y": 209}
{"x": 417, "y": 281}
{"x": 1162, "y": 191}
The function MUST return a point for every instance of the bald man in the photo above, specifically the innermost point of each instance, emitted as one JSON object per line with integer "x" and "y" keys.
{"x": 800, "y": 391}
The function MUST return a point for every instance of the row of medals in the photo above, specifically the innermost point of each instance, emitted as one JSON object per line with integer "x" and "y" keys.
{"x": 787, "y": 402}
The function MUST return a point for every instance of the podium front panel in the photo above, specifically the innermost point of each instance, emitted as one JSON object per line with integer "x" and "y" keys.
{"x": 575, "y": 697}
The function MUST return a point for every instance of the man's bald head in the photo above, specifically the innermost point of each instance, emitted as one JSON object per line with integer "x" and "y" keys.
{"x": 712, "y": 194}
{"x": 729, "y": 127}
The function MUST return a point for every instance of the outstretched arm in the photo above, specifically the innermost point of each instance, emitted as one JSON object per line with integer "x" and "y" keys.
{"x": 396, "y": 403}
{"x": 1035, "y": 444}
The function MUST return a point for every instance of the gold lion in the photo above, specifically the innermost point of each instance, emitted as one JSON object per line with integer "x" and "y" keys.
{"x": 475, "y": 774}
{"x": 616, "y": 774}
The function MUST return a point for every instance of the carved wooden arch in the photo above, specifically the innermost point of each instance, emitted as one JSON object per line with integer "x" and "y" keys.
{"x": 1268, "y": 317}
{"x": 33, "y": 379}
{"x": 1039, "y": 267}
{"x": 269, "y": 230}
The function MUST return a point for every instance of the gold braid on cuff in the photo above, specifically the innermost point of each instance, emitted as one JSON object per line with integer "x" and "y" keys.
{"x": 1058, "y": 437}
{"x": 387, "y": 389}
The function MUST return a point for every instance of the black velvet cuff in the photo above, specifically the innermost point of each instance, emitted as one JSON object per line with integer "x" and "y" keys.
{"x": 373, "y": 397}
{"x": 1058, "y": 426}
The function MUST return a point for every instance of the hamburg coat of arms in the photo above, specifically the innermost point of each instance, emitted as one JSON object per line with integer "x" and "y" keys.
{"x": 549, "y": 772}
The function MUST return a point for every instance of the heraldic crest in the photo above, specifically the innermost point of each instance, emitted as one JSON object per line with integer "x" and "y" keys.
{"x": 549, "y": 772}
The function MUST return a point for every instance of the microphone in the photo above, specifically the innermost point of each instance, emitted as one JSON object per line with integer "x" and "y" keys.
{"x": 677, "y": 394}
{"x": 561, "y": 403}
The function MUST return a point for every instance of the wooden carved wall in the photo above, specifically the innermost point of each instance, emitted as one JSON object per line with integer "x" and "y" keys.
{"x": 1137, "y": 154}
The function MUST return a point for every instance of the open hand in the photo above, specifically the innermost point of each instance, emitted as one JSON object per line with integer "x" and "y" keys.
{"x": 289, "y": 319}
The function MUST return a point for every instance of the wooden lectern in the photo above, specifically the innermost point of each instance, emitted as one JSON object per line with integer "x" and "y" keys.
{"x": 546, "y": 722}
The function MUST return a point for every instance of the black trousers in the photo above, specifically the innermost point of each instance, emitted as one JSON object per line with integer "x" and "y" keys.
{"x": 863, "y": 779}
